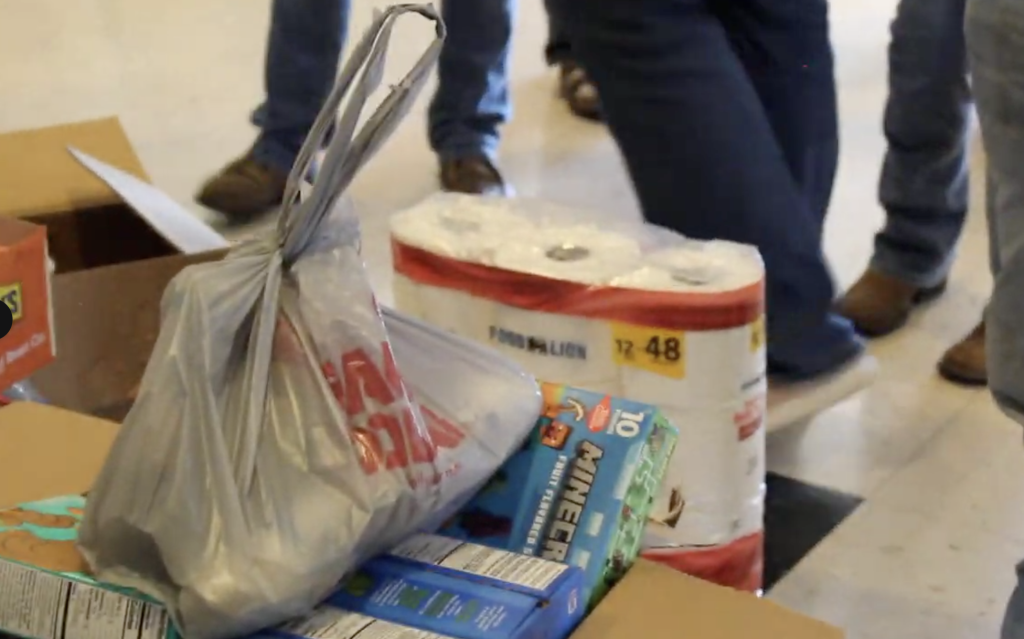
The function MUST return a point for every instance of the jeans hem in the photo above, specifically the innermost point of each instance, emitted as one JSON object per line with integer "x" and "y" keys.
{"x": 895, "y": 267}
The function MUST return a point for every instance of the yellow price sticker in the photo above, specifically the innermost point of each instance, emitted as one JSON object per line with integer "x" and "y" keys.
{"x": 757, "y": 335}
{"x": 656, "y": 350}
{"x": 11, "y": 295}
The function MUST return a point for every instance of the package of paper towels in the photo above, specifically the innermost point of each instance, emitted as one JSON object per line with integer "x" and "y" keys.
{"x": 627, "y": 309}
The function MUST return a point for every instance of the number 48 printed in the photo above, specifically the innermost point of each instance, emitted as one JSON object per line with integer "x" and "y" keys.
{"x": 655, "y": 350}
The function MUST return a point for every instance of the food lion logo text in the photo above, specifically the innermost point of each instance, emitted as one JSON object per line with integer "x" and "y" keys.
{"x": 538, "y": 344}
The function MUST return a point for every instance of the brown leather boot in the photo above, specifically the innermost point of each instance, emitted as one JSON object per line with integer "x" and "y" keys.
{"x": 878, "y": 304}
{"x": 475, "y": 175}
{"x": 579, "y": 92}
{"x": 244, "y": 189}
{"x": 965, "y": 362}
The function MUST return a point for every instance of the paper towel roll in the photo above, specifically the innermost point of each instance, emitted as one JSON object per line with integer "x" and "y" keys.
{"x": 580, "y": 254}
{"x": 697, "y": 267}
{"x": 718, "y": 365}
{"x": 557, "y": 348}
{"x": 697, "y": 502}
{"x": 460, "y": 227}
{"x": 407, "y": 296}
{"x": 456, "y": 311}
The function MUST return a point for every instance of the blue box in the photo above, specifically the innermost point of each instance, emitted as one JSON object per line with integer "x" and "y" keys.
{"x": 581, "y": 488}
{"x": 425, "y": 597}
{"x": 329, "y": 622}
{"x": 532, "y": 576}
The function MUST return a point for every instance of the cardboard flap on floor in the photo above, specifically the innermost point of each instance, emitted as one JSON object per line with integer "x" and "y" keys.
{"x": 164, "y": 215}
{"x": 655, "y": 602}
{"x": 87, "y": 223}
{"x": 47, "y": 451}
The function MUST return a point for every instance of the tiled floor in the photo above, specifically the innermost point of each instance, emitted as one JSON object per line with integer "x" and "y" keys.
{"x": 929, "y": 553}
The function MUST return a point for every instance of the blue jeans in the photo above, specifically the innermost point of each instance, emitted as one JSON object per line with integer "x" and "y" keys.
{"x": 303, "y": 50}
{"x": 995, "y": 40}
{"x": 725, "y": 112}
{"x": 923, "y": 186}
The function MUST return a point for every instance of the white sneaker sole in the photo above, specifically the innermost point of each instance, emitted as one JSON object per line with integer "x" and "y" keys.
{"x": 792, "y": 404}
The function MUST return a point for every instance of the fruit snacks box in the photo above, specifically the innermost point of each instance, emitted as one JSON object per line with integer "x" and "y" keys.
{"x": 329, "y": 622}
{"x": 45, "y": 589}
{"x": 437, "y": 600}
{"x": 581, "y": 488}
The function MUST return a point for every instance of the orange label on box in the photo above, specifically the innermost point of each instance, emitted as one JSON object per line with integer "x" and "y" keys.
{"x": 652, "y": 349}
{"x": 25, "y": 289}
{"x": 11, "y": 296}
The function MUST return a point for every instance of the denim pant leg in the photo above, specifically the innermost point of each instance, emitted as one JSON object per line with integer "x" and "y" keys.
{"x": 303, "y": 49}
{"x": 472, "y": 99}
{"x": 923, "y": 186}
{"x": 704, "y": 159}
{"x": 995, "y": 40}
{"x": 789, "y": 61}
{"x": 557, "y": 50}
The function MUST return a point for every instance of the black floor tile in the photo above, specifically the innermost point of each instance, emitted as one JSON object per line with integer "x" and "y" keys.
{"x": 797, "y": 517}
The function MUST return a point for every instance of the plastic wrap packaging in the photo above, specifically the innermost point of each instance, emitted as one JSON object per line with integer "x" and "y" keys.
{"x": 630, "y": 310}
{"x": 287, "y": 428}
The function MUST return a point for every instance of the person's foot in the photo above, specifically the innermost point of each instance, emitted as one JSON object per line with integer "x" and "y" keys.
{"x": 878, "y": 304}
{"x": 244, "y": 189}
{"x": 579, "y": 92}
{"x": 474, "y": 175}
{"x": 965, "y": 363}
{"x": 790, "y": 403}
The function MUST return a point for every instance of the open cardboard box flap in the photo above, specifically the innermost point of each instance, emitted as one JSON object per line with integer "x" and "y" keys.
{"x": 87, "y": 205}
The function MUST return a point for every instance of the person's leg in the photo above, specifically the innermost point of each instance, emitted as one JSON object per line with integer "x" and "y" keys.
{"x": 995, "y": 39}
{"x": 705, "y": 161}
{"x": 1013, "y": 621}
{"x": 923, "y": 185}
{"x": 995, "y": 30}
{"x": 788, "y": 58}
{"x": 304, "y": 46}
{"x": 472, "y": 100}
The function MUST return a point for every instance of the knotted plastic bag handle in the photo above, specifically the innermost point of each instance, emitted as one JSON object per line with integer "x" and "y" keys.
{"x": 347, "y": 150}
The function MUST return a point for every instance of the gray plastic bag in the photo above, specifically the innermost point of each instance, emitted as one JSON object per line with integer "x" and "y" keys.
{"x": 287, "y": 428}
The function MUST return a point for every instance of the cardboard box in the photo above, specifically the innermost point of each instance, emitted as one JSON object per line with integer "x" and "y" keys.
{"x": 25, "y": 289}
{"x": 106, "y": 322}
{"x": 655, "y": 602}
{"x": 116, "y": 242}
{"x": 47, "y": 452}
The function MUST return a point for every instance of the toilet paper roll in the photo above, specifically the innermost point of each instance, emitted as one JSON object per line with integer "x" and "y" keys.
{"x": 460, "y": 227}
{"x": 711, "y": 493}
{"x": 456, "y": 311}
{"x": 557, "y": 348}
{"x": 407, "y": 296}
{"x": 580, "y": 254}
